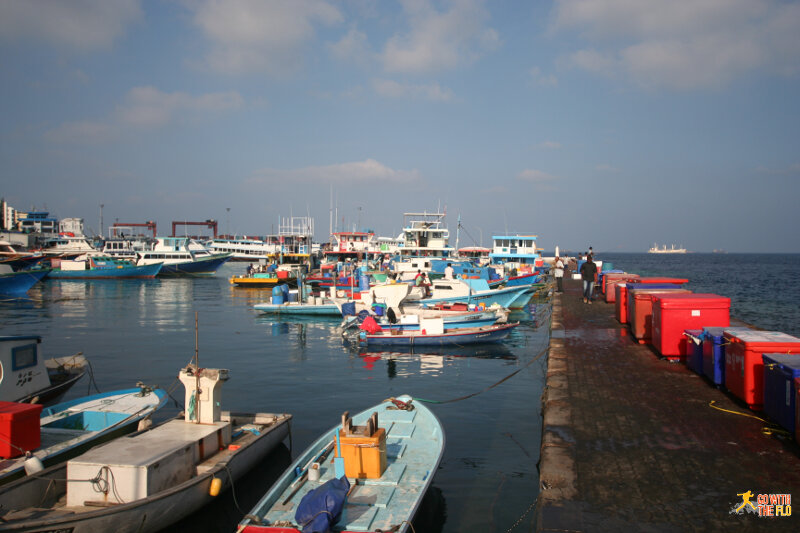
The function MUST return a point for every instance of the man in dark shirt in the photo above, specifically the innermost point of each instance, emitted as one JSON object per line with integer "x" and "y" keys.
{"x": 589, "y": 277}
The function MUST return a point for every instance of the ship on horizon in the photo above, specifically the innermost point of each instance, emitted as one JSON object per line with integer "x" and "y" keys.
{"x": 664, "y": 250}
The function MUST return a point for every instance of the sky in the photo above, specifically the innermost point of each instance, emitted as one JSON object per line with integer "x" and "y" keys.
{"x": 614, "y": 124}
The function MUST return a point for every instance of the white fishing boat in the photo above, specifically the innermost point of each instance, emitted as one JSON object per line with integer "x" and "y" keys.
{"x": 151, "y": 479}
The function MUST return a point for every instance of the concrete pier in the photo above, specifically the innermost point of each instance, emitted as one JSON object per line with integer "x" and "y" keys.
{"x": 630, "y": 442}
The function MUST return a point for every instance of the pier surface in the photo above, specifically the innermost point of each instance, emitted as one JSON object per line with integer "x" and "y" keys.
{"x": 630, "y": 442}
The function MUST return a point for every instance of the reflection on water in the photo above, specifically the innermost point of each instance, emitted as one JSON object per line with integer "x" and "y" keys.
{"x": 143, "y": 330}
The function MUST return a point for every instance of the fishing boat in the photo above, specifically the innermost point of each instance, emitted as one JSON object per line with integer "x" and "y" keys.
{"x": 411, "y": 322}
{"x": 146, "y": 481}
{"x": 469, "y": 291}
{"x": 17, "y": 283}
{"x": 70, "y": 428}
{"x": 38, "y": 380}
{"x": 384, "y": 460}
{"x": 101, "y": 267}
{"x": 324, "y": 308}
{"x": 264, "y": 280}
{"x": 432, "y": 333}
{"x": 181, "y": 256}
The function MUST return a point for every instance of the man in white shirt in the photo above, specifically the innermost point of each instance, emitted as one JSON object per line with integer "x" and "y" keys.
{"x": 448, "y": 271}
{"x": 558, "y": 272}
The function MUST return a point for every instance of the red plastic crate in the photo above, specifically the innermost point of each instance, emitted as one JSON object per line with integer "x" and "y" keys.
{"x": 675, "y": 281}
{"x": 674, "y": 313}
{"x": 19, "y": 428}
{"x": 744, "y": 366}
{"x": 640, "y": 310}
{"x": 621, "y": 302}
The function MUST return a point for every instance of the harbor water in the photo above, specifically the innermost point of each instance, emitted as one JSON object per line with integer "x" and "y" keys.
{"x": 144, "y": 330}
{"x": 487, "y": 397}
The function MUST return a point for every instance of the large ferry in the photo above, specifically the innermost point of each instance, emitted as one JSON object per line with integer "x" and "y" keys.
{"x": 664, "y": 250}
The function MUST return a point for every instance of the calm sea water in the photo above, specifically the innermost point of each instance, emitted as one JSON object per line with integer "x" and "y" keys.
{"x": 764, "y": 288}
{"x": 143, "y": 330}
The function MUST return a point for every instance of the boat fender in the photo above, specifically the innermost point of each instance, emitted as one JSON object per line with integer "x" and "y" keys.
{"x": 144, "y": 423}
{"x": 33, "y": 464}
{"x": 216, "y": 485}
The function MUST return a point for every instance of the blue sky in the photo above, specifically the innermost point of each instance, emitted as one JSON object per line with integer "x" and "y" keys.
{"x": 610, "y": 123}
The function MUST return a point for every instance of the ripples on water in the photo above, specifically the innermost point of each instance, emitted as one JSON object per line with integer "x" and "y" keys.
{"x": 764, "y": 288}
{"x": 135, "y": 330}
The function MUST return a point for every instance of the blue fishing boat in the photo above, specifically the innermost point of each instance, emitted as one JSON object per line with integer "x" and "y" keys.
{"x": 384, "y": 460}
{"x": 17, "y": 283}
{"x": 70, "y": 428}
{"x": 523, "y": 280}
{"x": 431, "y": 337}
{"x": 468, "y": 291}
{"x": 102, "y": 268}
{"x": 465, "y": 319}
{"x": 299, "y": 308}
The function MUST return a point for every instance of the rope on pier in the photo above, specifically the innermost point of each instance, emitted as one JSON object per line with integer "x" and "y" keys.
{"x": 768, "y": 430}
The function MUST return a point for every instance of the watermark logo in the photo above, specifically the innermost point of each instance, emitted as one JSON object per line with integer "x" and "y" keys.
{"x": 764, "y": 504}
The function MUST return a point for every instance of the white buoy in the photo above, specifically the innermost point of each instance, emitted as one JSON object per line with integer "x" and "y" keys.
{"x": 33, "y": 465}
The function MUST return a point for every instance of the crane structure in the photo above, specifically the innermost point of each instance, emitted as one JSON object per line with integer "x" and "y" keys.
{"x": 117, "y": 227}
{"x": 211, "y": 224}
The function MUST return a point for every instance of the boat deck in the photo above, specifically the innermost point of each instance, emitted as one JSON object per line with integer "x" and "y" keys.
{"x": 379, "y": 504}
{"x": 631, "y": 443}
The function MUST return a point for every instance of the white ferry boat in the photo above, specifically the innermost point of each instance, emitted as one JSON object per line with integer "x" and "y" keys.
{"x": 293, "y": 240}
{"x": 664, "y": 250}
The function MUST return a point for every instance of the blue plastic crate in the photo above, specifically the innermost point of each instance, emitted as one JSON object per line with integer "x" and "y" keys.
{"x": 694, "y": 354}
{"x": 780, "y": 369}
{"x": 714, "y": 355}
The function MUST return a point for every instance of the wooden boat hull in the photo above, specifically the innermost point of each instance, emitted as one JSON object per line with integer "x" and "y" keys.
{"x": 148, "y": 514}
{"x": 414, "y": 446}
{"x": 455, "y": 337}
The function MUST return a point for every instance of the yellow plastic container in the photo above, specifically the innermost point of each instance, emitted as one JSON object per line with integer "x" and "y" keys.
{"x": 364, "y": 457}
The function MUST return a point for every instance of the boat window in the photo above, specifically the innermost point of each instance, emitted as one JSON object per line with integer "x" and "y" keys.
{"x": 23, "y": 357}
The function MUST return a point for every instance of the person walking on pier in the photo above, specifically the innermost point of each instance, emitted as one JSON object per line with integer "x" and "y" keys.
{"x": 589, "y": 277}
{"x": 558, "y": 272}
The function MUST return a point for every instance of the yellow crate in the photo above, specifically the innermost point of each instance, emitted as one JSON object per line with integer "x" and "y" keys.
{"x": 364, "y": 457}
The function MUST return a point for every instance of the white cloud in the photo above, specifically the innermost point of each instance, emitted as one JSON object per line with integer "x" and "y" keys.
{"x": 353, "y": 47}
{"x": 541, "y": 79}
{"x": 604, "y": 167}
{"x": 437, "y": 41}
{"x": 144, "y": 107}
{"x": 368, "y": 171}
{"x": 536, "y": 176}
{"x": 682, "y": 44}
{"x": 393, "y": 89}
{"x": 76, "y": 24}
{"x": 254, "y": 35}
{"x": 551, "y": 145}
{"x": 147, "y": 106}
{"x": 84, "y": 132}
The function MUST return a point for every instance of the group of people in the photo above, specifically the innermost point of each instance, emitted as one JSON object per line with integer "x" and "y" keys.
{"x": 588, "y": 272}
